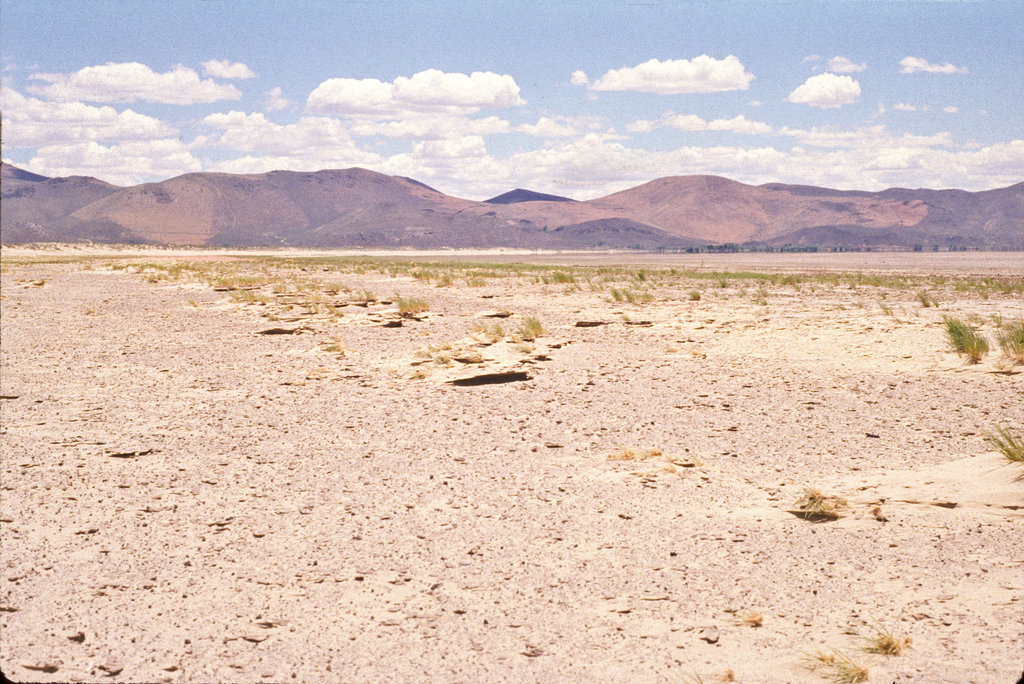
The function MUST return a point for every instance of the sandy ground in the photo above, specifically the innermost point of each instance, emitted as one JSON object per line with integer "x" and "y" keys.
{"x": 187, "y": 500}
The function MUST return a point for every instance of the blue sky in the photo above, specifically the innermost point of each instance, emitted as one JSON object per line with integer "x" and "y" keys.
{"x": 475, "y": 98}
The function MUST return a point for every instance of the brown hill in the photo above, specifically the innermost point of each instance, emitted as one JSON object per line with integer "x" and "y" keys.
{"x": 34, "y": 206}
{"x": 357, "y": 207}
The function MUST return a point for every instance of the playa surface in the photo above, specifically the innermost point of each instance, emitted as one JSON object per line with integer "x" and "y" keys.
{"x": 224, "y": 467}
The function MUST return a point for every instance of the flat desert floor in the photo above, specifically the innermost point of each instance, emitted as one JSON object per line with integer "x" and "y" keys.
{"x": 284, "y": 468}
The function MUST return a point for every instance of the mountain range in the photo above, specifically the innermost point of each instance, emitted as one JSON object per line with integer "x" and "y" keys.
{"x": 356, "y": 207}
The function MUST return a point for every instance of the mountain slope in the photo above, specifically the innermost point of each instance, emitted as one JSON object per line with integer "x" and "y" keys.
{"x": 357, "y": 207}
{"x": 34, "y": 205}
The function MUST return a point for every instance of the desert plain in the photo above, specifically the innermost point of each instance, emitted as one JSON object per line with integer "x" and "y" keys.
{"x": 244, "y": 467}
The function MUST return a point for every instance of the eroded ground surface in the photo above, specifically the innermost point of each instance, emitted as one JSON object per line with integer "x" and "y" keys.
{"x": 187, "y": 499}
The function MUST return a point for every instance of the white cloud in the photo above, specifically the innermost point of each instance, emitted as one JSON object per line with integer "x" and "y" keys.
{"x": 320, "y": 138}
{"x": 28, "y": 122}
{"x": 701, "y": 74}
{"x": 123, "y": 164}
{"x": 904, "y": 107}
{"x": 826, "y": 91}
{"x": 755, "y": 103}
{"x": 811, "y": 58}
{"x": 910, "y": 65}
{"x": 951, "y": 109}
{"x": 222, "y": 68}
{"x": 692, "y": 122}
{"x": 429, "y": 127}
{"x": 579, "y": 78}
{"x": 131, "y": 81}
{"x": 560, "y": 126}
{"x": 426, "y": 91}
{"x": 275, "y": 100}
{"x": 842, "y": 65}
{"x": 867, "y": 137}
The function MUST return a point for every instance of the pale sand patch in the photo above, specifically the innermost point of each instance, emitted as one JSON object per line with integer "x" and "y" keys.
{"x": 185, "y": 499}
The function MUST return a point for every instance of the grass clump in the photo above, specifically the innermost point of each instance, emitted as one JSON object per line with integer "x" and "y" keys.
{"x": 926, "y": 299}
{"x": 410, "y": 306}
{"x": 694, "y": 295}
{"x": 1008, "y": 444}
{"x": 530, "y": 329}
{"x": 818, "y": 507}
{"x": 840, "y": 667}
{"x": 1011, "y": 340}
{"x": 964, "y": 339}
{"x": 884, "y": 642}
{"x": 634, "y": 455}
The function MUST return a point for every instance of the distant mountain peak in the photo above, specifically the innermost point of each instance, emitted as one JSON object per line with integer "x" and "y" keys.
{"x": 9, "y": 171}
{"x": 521, "y": 195}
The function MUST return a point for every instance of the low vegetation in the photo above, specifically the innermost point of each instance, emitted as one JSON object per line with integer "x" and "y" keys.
{"x": 1007, "y": 443}
{"x": 839, "y": 667}
{"x": 964, "y": 339}
{"x": 411, "y": 306}
{"x": 530, "y": 329}
{"x": 818, "y": 507}
{"x": 884, "y": 642}
{"x": 1011, "y": 341}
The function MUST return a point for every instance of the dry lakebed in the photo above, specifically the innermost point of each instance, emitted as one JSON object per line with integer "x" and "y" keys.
{"x": 463, "y": 467}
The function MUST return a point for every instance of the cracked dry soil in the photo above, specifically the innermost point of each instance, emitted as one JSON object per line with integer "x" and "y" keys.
{"x": 184, "y": 499}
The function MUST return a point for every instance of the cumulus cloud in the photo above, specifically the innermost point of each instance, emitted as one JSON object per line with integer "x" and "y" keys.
{"x": 123, "y": 164}
{"x": 842, "y": 65}
{"x": 912, "y": 65}
{"x": 560, "y": 126}
{"x": 866, "y": 137}
{"x": 321, "y": 138}
{"x": 429, "y": 127}
{"x": 275, "y": 101}
{"x": 579, "y": 78}
{"x": 904, "y": 107}
{"x": 427, "y": 91}
{"x": 826, "y": 91}
{"x": 692, "y": 122}
{"x": 951, "y": 109}
{"x": 29, "y": 122}
{"x": 701, "y": 74}
{"x": 130, "y": 82}
{"x": 222, "y": 68}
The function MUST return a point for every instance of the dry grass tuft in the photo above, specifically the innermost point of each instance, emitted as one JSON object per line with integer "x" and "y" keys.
{"x": 410, "y": 306}
{"x": 530, "y": 329}
{"x": 752, "y": 619}
{"x": 1008, "y": 444}
{"x": 816, "y": 506}
{"x": 886, "y": 643}
{"x": 964, "y": 339}
{"x": 634, "y": 455}
{"x": 839, "y": 667}
{"x": 1011, "y": 341}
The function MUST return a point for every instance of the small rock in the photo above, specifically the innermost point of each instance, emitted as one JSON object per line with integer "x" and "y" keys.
{"x": 709, "y": 634}
{"x": 77, "y": 637}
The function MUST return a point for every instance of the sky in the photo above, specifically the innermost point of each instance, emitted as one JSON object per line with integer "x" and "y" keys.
{"x": 474, "y": 98}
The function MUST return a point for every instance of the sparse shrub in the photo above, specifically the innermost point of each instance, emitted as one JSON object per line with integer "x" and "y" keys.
{"x": 634, "y": 455}
{"x": 884, "y": 642}
{"x": 964, "y": 339}
{"x": 1005, "y": 442}
{"x": 335, "y": 346}
{"x": 694, "y": 295}
{"x": 488, "y": 333}
{"x": 1011, "y": 341}
{"x": 410, "y": 306}
{"x": 841, "y": 669}
{"x": 926, "y": 299}
{"x": 818, "y": 507}
{"x": 530, "y": 329}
